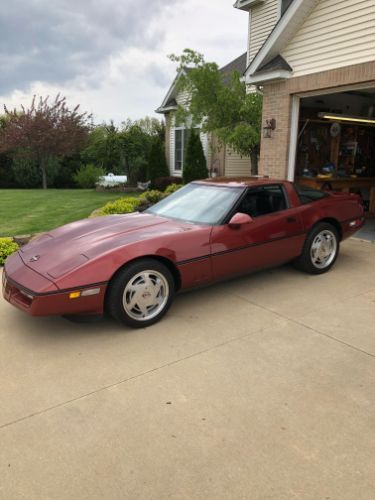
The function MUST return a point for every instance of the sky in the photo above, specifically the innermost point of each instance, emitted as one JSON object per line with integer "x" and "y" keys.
{"x": 109, "y": 56}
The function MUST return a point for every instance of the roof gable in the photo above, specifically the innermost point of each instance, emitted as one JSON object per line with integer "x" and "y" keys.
{"x": 170, "y": 101}
{"x": 282, "y": 33}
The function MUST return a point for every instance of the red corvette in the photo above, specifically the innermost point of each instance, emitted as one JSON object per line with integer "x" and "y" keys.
{"x": 132, "y": 265}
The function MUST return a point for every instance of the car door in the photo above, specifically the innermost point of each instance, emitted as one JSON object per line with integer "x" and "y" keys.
{"x": 275, "y": 234}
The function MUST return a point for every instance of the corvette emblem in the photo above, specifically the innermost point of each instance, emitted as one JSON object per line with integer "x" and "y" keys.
{"x": 35, "y": 258}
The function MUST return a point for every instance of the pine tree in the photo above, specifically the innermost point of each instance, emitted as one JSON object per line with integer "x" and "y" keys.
{"x": 195, "y": 165}
{"x": 157, "y": 165}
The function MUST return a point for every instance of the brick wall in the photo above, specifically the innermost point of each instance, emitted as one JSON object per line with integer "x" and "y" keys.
{"x": 277, "y": 103}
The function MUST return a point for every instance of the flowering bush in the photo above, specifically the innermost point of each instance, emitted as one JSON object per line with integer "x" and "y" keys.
{"x": 128, "y": 204}
{"x": 152, "y": 196}
{"x": 7, "y": 247}
{"x": 124, "y": 205}
{"x": 172, "y": 188}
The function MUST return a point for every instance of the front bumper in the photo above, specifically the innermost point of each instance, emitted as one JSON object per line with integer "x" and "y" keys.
{"x": 35, "y": 295}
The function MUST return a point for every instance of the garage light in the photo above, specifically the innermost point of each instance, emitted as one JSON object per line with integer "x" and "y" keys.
{"x": 347, "y": 118}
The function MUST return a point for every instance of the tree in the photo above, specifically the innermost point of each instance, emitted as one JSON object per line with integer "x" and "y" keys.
{"x": 152, "y": 127}
{"x": 195, "y": 166}
{"x": 104, "y": 148}
{"x": 221, "y": 104}
{"x": 157, "y": 164}
{"x": 135, "y": 147}
{"x": 44, "y": 132}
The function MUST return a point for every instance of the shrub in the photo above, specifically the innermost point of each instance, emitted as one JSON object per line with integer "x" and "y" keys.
{"x": 152, "y": 196}
{"x": 88, "y": 175}
{"x": 157, "y": 164}
{"x": 172, "y": 188}
{"x": 161, "y": 183}
{"x": 129, "y": 204}
{"x": 195, "y": 166}
{"x": 7, "y": 247}
{"x": 124, "y": 205}
{"x": 138, "y": 171}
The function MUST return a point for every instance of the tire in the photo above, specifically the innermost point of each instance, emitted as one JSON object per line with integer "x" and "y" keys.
{"x": 141, "y": 293}
{"x": 320, "y": 250}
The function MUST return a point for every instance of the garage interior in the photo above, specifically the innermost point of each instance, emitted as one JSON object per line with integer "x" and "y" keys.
{"x": 336, "y": 146}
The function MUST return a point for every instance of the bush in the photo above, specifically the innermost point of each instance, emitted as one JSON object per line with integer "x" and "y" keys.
{"x": 157, "y": 164}
{"x": 128, "y": 204}
{"x": 195, "y": 166}
{"x": 172, "y": 188}
{"x": 7, "y": 247}
{"x": 161, "y": 183}
{"x": 152, "y": 196}
{"x": 124, "y": 205}
{"x": 88, "y": 175}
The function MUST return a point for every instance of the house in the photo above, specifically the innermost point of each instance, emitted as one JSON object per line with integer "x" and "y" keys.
{"x": 220, "y": 161}
{"x": 314, "y": 62}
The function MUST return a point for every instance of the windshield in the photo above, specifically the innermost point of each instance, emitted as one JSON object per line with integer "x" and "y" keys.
{"x": 198, "y": 203}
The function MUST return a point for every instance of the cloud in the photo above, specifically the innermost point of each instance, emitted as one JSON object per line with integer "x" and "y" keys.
{"x": 62, "y": 40}
{"x": 109, "y": 55}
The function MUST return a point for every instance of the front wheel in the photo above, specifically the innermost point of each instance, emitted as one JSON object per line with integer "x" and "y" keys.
{"x": 141, "y": 293}
{"x": 320, "y": 250}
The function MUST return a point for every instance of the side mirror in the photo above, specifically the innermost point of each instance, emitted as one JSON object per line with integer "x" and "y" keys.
{"x": 239, "y": 219}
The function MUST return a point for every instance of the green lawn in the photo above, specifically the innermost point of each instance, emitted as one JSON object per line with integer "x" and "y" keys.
{"x": 28, "y": 211}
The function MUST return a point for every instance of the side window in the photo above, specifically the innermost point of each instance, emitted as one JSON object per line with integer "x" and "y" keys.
{"x": 263, "y": 200}
{"x": 178, "y": 149}
{"x": 181, "y": 137}
{"x": 307, "y": 194}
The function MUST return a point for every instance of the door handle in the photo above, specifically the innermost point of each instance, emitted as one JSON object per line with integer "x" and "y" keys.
{"x": 291, "y": 219}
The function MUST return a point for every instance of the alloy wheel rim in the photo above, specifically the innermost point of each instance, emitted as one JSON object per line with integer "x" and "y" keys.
{"x": 145, "y": 295}
{"x": 323, "y": 249}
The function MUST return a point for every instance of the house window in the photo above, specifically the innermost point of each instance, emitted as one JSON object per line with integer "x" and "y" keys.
{"x": 180, "y": 145}
{"x": 284, "y": 5}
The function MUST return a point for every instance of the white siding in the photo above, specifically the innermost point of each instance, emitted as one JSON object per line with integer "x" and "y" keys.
{"x": 183, "y": 98}
{"x": 337, "y": 33}
{"x": 263, "y": 18}
{"x": 206, "y": 147}
{"x": 236, "y": 165}
{"x": 205, "y": 144}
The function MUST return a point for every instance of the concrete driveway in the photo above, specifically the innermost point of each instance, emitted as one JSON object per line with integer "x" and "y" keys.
{"x": 259, "y": 388}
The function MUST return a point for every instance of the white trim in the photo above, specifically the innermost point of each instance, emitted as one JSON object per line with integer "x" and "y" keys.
{"x": 279, "y": 6}
{"x": 280, "y": 74}
{"x": 246, "y": 4}
{"x": 248, "y": 42}
{"x": 165, "y": 110}
{"x": 171, "y": 89}
{"x": 282, "y": 33}
{"x": 293, "y": 137}
{"x": 338, "y": 90}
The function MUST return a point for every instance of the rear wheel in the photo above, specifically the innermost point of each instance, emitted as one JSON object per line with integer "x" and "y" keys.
{"x": 141, "y": 293}
{"x": 320, "y": 250}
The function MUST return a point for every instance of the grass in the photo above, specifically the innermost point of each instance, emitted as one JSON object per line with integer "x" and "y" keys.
{"x": 29, "y": 211}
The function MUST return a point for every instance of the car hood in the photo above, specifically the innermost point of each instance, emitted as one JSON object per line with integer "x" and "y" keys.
{"x": 58, "y": 252}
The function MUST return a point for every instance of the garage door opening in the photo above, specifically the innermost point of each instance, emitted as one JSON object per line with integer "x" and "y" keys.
{"x": 336, "y": 146}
